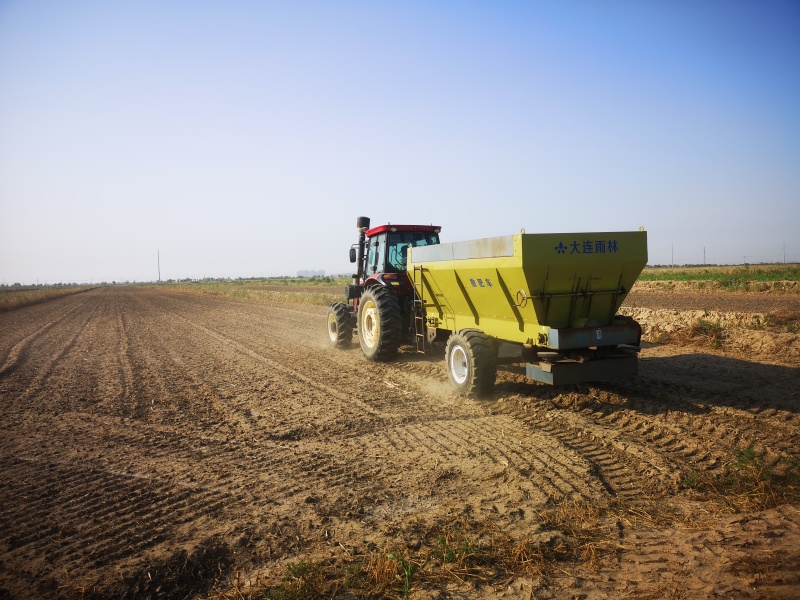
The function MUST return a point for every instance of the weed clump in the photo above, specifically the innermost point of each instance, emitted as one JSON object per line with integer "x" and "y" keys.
{"x": 711, "y": 332}
{"x": 303, "y": 580}
{"x": 703, "y": 332}
{"x": 466, "y": 552}
{"x": 748, "y": 483}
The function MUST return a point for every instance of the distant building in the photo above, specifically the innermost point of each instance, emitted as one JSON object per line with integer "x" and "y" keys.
{"x": 308, "y": 273}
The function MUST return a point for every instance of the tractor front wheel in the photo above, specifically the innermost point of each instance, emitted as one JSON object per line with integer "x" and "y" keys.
{"x": 379, "y": 323}
{"x": 340, "y": 325}
{"x": 471, "y": 361}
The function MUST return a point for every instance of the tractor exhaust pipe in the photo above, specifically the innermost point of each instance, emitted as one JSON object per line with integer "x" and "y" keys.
{"x": 362, "y": 224}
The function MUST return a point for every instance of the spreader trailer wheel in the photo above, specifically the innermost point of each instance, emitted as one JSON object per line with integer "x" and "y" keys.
{"x": 471, "y": 361}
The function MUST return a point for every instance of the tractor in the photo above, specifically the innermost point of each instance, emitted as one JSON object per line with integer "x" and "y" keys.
{"x": 380, "y": 303}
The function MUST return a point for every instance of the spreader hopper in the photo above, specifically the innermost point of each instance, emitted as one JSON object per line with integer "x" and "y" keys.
{"x": 555, "y": 294}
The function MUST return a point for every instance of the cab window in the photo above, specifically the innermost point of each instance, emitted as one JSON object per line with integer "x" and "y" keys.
{"x": 400, "y": 241}
{"x": 377, "y": 253}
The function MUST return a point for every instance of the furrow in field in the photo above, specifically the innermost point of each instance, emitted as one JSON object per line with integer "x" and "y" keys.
{"x": 85, "y": 518}
{"x": 22, "y": 327}
{"x": 123, "y": 354}
{"x": 251, "y": 473}
{"x": 699, "y": 430}
{"x": 15, "y": 353}
{"x": 35, "y": 358}
{"x": 144, "y": 427}
{"x": 171, "y": 376}
{"x": 281, "y": 367}
{"x": 89, "y": 365}
{"x": 261, "y": 331}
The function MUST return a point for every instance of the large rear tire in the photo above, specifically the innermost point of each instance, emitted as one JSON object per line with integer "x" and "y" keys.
{"x": 340, "y": 325}
{"x": 471, "y": 361}
{"x": 379, "y": 323}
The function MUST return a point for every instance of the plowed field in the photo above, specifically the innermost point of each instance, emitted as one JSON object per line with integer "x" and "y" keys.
{"x": 155, "y": 444}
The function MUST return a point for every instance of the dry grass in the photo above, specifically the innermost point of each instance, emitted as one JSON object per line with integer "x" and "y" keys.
{"x": 382, "y": 572}
{"x": 14, "y": 297}
{"x": 464, "y": 554}
{"x": 752, "y": 278}
{"x": 291, "y": 294}
{"x": 565, "y": 538}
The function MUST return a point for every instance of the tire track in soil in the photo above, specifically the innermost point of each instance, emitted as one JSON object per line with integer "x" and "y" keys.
{"x": 171, "y": 456}
{"x": 728, "y": 561}
{"x": 643, "y": 427}
{"x": 83, "y": 360}
{"x": 129, "y": 519}
{"x": 497, "y": 447}
{"x": 680, "y": 446}
{"x": 281, "y": 368}
{"x": 282, "y": 346}
{"x": 52, "y": 354}
{"x": 380, "y": 386}
{"x": 698, "y": 425}
{"x": 83, "y": 519}
{"x": 614, "y": 466}
{"x": 171, "y": 381}
{"x": 167, "y": 389}
{"x": 609, "y": 471}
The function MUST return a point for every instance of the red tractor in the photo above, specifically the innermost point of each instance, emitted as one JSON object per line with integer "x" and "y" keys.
{"x": 380, "y": 304}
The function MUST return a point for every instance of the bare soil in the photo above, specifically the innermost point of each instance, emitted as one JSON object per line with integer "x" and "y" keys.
{"x": 158, "y": 444}
{"x": 685, "y": 296}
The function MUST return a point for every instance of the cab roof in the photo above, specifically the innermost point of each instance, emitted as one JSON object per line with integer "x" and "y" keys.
{"x": 390, "y": 227}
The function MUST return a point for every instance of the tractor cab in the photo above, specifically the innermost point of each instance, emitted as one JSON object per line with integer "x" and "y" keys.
{"x": 387, "y": 246}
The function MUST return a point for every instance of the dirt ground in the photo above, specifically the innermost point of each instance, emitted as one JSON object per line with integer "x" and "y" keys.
{"x": 156, "y": 444}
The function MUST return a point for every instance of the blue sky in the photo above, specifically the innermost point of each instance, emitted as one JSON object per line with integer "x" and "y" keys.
{"x": 243, "y": 139}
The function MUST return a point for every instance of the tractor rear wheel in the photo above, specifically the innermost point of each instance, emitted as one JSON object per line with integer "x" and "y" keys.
{"x": 379, "y": 323}
{"x": 340, "y": 325}
{"x": 471, "y": 361}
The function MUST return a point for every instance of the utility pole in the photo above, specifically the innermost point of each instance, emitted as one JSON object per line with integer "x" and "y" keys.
{"x": 704, "y": 256}
{"x": 159, "y": 266}
{"x": 673, "y": 255}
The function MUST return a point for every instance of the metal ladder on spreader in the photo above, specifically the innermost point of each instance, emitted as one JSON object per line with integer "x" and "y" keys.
{"x": 419, "y": 309}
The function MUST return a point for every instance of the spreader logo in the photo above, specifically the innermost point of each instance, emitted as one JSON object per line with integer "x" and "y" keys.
{"x": 588, "y": 247}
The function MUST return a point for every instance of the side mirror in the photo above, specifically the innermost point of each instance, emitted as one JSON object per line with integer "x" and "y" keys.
{"x": 352, "y": 255}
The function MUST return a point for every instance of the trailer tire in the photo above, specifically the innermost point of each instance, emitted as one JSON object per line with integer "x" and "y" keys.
{"x": 379, "y": 323}
{"x": 471, "y": 361}
{"x": 340, "y": 325}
